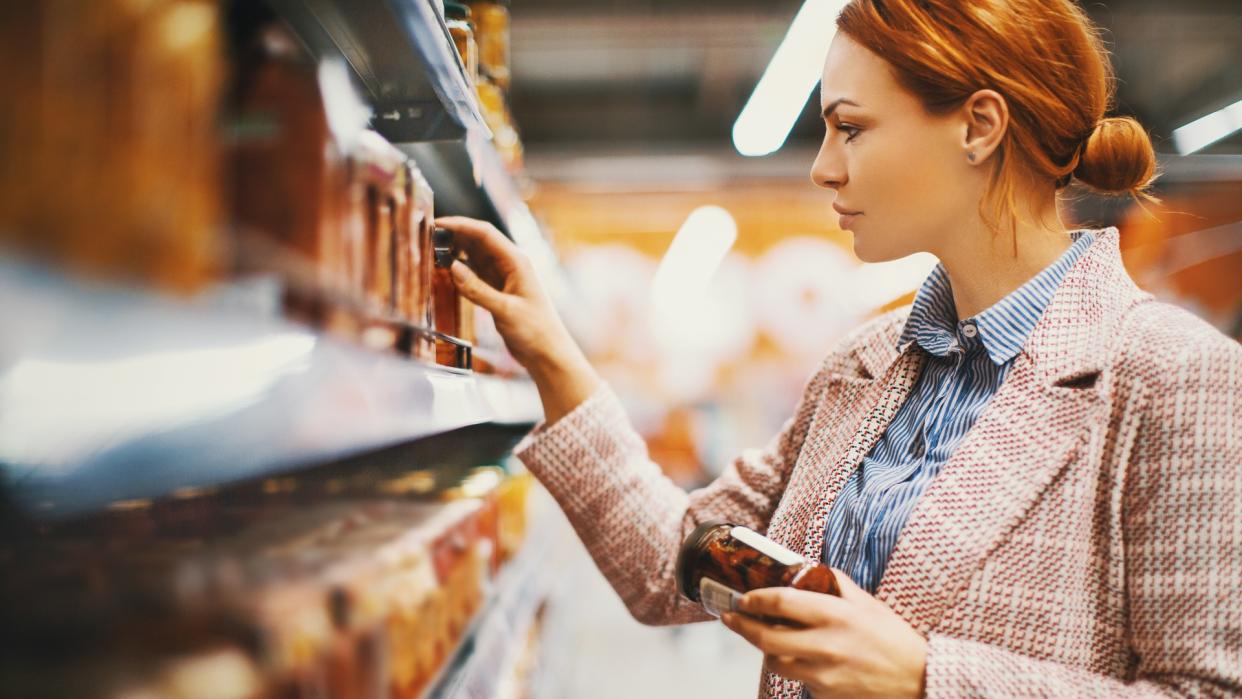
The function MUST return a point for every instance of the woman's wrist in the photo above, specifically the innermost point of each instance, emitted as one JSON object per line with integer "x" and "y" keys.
{"x": 565, "y": 379}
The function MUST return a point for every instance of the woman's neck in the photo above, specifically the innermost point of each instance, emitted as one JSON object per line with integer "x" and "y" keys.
{"x": 983, "y": 266}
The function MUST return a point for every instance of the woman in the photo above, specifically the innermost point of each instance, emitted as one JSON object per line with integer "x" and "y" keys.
{"x": 1031, "y": 477}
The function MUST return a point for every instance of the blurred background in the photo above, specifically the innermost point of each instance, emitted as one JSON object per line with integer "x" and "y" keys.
{"x": 223, "y": 308}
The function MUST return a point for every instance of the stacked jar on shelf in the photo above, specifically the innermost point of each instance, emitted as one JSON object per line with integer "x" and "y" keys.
{"x": 345, "y": 219}
{"x": 480, "y": 31}
{"x": 348, "y": 222}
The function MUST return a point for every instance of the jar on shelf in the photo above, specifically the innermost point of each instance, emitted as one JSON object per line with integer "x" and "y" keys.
{"x": 110, "y": 142}
{"x": 380, "y": 171}
{"x": 499, "y": 119}
{"x": 461, "y": 28}
{"x": 491, "y": 20}
{"x": 289, "y": 179}
{"x": 454, "y": 315}
{"x": 416, "y": 262}
{"x": 719, "y": 562}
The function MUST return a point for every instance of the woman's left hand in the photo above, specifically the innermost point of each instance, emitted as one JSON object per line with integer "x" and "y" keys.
{"x": 851, "y": 646}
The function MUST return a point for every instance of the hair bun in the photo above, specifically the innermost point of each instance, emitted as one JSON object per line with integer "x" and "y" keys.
{"x": 1117, "y": 157}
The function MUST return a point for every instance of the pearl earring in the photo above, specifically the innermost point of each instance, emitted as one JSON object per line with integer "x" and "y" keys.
{"x": 970, "y": 156}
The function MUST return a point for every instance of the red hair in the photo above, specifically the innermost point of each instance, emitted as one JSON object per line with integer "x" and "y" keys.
{"x": 1045, "y": 57}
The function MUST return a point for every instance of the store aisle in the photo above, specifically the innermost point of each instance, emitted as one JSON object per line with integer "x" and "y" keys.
{"x": 595, "y": 649}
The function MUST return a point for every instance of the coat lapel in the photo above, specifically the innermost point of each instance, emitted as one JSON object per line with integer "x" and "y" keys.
{"x": 1026, "y": 436}
{"x": 840, "y": 435}
{"x": 1054, "y": 400}
{"x": 825, "y": 466}
{"x": 884, "y": 396}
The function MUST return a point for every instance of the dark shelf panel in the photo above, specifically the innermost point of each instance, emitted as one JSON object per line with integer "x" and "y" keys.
{"x": 401, "y": 54}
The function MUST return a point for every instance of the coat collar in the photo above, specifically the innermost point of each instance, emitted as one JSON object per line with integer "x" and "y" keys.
{"x": 1071, "y": 338}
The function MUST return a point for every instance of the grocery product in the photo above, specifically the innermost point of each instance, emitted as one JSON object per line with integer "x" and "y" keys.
{"x": 720, "y": 562}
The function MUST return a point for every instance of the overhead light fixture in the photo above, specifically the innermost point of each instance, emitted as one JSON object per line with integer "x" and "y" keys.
{"x": 774, "y": 106}
{"x": 693, "y": 257}
{"x": 1205, "y": 131}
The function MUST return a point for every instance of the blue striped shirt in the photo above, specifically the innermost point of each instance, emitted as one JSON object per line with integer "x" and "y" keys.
{"x": 967, "y": 362}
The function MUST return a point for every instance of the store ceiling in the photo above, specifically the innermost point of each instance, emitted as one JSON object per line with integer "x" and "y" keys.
{"x": 642, "y": 76}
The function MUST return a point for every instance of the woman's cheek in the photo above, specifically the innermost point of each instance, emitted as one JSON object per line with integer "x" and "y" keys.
{"x": 881, "y": 186}
{"x": 914, "y": 194}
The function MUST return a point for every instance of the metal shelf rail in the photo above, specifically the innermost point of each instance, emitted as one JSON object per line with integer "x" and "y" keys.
{"x": 112, "y": 394}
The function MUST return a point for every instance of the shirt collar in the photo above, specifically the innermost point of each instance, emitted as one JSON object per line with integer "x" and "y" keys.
{"x": 1002, "y": 328}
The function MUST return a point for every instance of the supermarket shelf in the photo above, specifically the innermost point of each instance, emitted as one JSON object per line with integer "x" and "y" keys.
{"x": 401, "y": 53}
{"x": 110, "y": 394}
{"x": 488, "y": 645}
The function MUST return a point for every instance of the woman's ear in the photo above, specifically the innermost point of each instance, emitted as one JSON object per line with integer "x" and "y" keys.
{"x": 986, "y": 117}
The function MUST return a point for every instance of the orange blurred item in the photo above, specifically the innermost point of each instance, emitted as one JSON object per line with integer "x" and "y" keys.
{"x": 380, "y": 170}
{"x": 457, "y": 17}
{"x": 416, "y": 261}
{"x": 288, "y": 173}
{"x": 108, "y": 129}
{"x": 499, "y": 119}
{"x": 491, "y": 21}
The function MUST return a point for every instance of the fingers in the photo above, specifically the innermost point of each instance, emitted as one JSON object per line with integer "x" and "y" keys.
{"x": 799, "y": 606}
{"x": 776, "y": 640}
{"x": 480, "y": 239}
{"x": 477, "y": 290}
{"x": 849, "y": 589}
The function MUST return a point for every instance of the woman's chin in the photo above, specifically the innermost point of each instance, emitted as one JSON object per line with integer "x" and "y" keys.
{"x": 866, "y": 250}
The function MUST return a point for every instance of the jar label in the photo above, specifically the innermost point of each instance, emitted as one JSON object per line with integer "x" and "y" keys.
{"x": 766, "y": 546}
{"x": 717, "y": 598}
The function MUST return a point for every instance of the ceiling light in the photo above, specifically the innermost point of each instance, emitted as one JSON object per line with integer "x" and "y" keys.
{"x": 774, "y": 106}
{"x": 1205, "y": 131}
{"x": 693, "y": 257}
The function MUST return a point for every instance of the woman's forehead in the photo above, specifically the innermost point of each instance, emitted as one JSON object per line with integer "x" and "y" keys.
{"x": 855, "y": 75}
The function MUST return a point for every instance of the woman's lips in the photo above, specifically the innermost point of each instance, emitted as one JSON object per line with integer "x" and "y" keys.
{"x": 847, "y": 216}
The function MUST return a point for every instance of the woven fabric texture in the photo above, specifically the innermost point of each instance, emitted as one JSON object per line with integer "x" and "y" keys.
{"x": 1085, "y": 538}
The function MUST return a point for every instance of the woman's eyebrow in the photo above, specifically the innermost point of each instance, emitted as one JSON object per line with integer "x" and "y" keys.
{"x": 832, "y": 106}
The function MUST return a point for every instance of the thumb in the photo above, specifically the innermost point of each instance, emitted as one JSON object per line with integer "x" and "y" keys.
{"x": 849, "y": 589}
{"x": 475, "y": 289}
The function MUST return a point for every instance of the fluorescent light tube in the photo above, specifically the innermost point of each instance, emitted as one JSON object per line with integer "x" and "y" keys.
{"x": 1205, "y": 131}
{"x": 774, "y": 106}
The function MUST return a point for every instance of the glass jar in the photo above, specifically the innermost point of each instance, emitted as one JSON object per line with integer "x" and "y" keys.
{"x": 453, "y": 312}
{"x": 457, "y": 19}
{"x": 491, "y": 20}
{"x": 720, "y": 562}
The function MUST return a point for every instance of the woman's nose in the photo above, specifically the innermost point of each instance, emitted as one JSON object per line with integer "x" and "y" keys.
{"x": 828, "y": 171}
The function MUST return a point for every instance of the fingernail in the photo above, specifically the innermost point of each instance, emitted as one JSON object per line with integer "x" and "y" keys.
{"x": 727, "y": 618}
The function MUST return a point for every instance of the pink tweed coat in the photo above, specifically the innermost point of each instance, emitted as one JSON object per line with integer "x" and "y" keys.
{"x": 1084, "y": 539}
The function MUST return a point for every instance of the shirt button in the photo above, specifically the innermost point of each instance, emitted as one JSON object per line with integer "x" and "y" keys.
{"x": 969, "y": 330}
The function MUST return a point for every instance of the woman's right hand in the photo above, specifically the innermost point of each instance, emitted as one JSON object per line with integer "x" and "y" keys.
{"x": 500, "y": 278}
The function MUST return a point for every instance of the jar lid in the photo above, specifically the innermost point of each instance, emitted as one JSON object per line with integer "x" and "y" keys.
{"x": 456, "y": 10}
{"x": 442, "y": 247}
{"x": 685, "y": 559}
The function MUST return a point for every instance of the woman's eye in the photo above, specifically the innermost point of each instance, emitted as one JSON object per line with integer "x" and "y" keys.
{"x": 851, "y": 132}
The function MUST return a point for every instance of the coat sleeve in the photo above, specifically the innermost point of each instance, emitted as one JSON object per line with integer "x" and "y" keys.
{"x": 631, "y": 517}
{"x": 1182, "y": 514}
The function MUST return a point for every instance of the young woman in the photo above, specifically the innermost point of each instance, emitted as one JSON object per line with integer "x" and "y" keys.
{"x": 1031, "y": 477}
